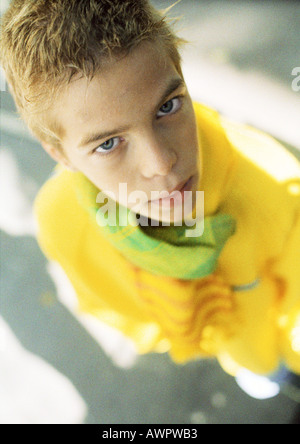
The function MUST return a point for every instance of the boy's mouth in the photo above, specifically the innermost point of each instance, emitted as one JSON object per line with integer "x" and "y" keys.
{"x": 176, "y": 196}
{"x": 180, "y": 186}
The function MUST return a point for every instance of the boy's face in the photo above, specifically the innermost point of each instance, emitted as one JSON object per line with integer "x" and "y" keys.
{"x": 134, "y": 123}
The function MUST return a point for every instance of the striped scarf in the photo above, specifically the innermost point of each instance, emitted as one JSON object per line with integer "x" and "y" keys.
{"x": 163, "y": 251}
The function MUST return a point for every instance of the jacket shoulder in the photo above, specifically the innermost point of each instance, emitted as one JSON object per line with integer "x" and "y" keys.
{"x": 59, "y": 217}
{"x": 262, "y": 151}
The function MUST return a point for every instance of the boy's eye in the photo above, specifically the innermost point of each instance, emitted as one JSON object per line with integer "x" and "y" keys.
{"x": 170, "y": 107}
{"x": 108, "y": 146}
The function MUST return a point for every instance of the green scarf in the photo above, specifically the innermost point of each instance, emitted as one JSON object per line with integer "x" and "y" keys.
{"x": 163, "y": 251}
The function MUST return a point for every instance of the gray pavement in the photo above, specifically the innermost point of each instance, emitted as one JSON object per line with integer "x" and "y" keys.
{"x": 247, "y": 37}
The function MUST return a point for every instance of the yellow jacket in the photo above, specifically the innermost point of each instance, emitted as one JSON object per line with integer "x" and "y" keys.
{"x": 247, "y": 314}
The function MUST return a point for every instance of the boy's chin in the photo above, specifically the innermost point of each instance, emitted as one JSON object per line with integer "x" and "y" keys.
{"x": 159, "y": 217}
{"x": 156, "y": 214}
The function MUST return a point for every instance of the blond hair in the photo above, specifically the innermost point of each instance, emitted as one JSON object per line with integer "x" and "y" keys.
{"x": 45, "y": 43}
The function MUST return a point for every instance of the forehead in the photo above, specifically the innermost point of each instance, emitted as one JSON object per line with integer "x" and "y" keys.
{"x": 123, "y": 88}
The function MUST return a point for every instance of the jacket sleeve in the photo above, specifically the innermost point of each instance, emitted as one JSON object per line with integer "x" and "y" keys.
{"x": 266, "y": 201}
{"x": 102, "y": 279}
{"x": 287, "y": 271}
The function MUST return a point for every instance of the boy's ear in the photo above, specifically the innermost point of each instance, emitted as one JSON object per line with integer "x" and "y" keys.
{"x": 58, "y": 156}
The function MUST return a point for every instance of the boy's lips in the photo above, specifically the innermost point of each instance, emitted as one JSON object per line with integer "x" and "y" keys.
{"x": 171, "y": 195}
{"x": 180, "y": 186}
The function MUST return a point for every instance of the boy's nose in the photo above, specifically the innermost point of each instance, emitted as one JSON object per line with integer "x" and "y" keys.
{"x": 157, "y": 159}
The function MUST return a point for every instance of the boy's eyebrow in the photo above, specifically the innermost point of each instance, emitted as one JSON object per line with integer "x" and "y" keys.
{"x": 87, "y": 140}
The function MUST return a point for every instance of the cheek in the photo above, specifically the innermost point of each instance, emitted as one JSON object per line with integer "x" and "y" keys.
{"x": 186, "y": 134}
{"x": 109, "y": 180}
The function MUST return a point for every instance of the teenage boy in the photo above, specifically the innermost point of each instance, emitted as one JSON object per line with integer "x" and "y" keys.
{"x": 100, "y": 85}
